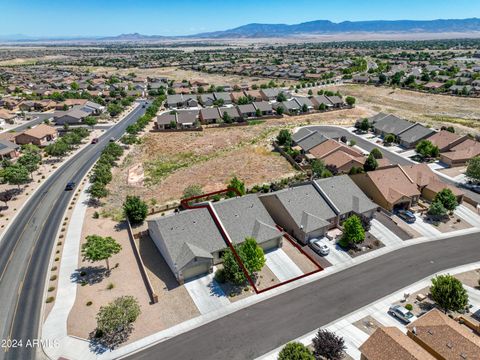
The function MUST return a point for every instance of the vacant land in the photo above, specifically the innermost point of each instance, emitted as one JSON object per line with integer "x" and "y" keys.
{"x": 436, "y": 110}
{"x": 173, "y": 161}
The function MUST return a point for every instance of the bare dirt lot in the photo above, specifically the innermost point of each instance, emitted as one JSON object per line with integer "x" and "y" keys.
{"x": 436, "y": 110}
{"x": 173, "y": 161}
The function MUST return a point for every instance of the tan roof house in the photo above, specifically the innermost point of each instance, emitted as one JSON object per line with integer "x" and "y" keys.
{"x": 443, "y": 337}
{"x": 389, "y": 343}
{"x": 445, "y": 140}
{"x": 461, "y": 153}
{"x": 336, "y": 154}
{"x": 40, "y": 135}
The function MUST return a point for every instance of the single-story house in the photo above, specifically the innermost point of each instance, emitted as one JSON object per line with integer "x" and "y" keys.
{"x": 337, "y": 101}
{"x": 232, "y": 113}
{"x": 414, "y": 134}
{"x": 307, "y": 139}
{"x": 290, "y": 107}
{"x": 7, "y": 117}
{"x": 210, "y": 116}
{"x": 301, "y": 101}
{"x": 270, "y": 94}
{"x": 459, "y": 154}
{"x": 181, "y": 101}
{"x": 187, "y": 118}
{"x": 206, "y": 99}
{"x": 321, "y": 99}
{"x": 73, "y": 116}
{"x": 247, "y": 111}
{"x": 389, "y": 343}
{"x": 191, "y": 242}
{"x": 391, "y": 124}
{"x": 166, "y": 120}
{"x": 389, "y": 187}
{"x": 8, "y": 150}
{"x": 445, "y": 140}
{"x": 225, "y": 96}
{"x": 334, "y": 153}
{"x": 40, "y": 135}
{"x": 264, "y": 106}
{"x": 254, "y": 94}
{"x": 443, "y": 337}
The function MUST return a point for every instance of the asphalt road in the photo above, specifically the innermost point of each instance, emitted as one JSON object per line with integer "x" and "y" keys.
{"x": 336, "y": 132}
{"x": 260, "y": 328}
{"x": 26, "y": 247}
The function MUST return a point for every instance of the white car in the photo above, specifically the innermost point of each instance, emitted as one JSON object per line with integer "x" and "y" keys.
{"x": 402, "y": 313}
{"x": 319, "y": 247}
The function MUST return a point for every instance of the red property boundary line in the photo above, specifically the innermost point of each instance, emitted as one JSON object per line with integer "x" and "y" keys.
{"x": 186, "y": 204}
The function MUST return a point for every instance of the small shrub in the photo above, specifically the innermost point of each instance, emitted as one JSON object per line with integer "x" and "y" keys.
{"x": 59, "y": 243}
{"x": 51, "y": 288}
{"x": 57, "y": 258}
{"x": 89, "y": 303}
{"x": 110, "y": 286}
{"x": 53, "y": 277}
{"x": 96, "y": 215}
{"x": 49, "y": 299}
{"x": 409, "y": 307}
{"x": 83, "y": 273}
{"x": 53, "y": 268}
{"x": 220, "y": 276}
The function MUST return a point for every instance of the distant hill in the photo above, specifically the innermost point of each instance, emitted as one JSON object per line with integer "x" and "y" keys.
{"x": 320, "y": 27}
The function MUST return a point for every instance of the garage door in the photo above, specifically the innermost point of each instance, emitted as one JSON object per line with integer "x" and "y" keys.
{"x": 195, "y": 270}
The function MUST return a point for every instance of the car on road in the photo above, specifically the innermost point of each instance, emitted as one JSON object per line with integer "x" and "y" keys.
{"x": 319, "y": 247}
{"x": 406, "y": 216}
{"x": 400, "y": 312}
{"x": 70, "y": 186}
{"x": 112, "y": 139}
{"x": 94, "y": 141}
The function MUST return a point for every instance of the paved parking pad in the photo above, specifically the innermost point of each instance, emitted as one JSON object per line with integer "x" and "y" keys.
{"x": 385, "y": 235}
{"x": 468, "y": 215}
{"x": 336, "y": 255}
{"x": 206, "y": 293}
{"x": 281, "y": 265}
{"x": 424, "y": 228}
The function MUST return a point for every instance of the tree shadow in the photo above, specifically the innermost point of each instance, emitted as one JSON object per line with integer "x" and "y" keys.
{"x": 89, "y": 275}
{"x": 215, "y": 289}
{"x": 100, "y": 343}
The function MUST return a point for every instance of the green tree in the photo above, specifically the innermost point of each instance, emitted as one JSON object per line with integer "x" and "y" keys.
{"x": 58, "y": 149}
{"x": 31, "y": 161}
{"x": 295, "y": 351}
{"x": 252, "y": 257}
{"x": 370, "y": 164}
{"x": 353, "y": 232}
{"x": 101, "y": 174}
{"x": 304, "y": 108}
{"x": 447, "y": 198}
{"x": 118, "y": 316}
{"x": 281, "y": 97}
{"x": 473, "y": 169}
{"x": 98, "y": 248}
{"x": 322, "y": 107}
{"x": 284, "y": 138}
{"x": 97, "y": 190}
{"x": 15, "y": 174}
{"x": 238, "y": 185}
{"x": 426, "y": 149}
{"x": 319, "y": 170}
{"x": 280, "y": 110}
{"x": 90, "y": 121}
{"x": 376, "y": 153}
{"x": 258, "y": 113}
{"x": 437, "y": 209}
{"x": 227, "y": 118}
{"x": 350, "y": 100}
{"x": 363, "y": 125}
{"x": 448, "y": 292}
{"x": 389, "y": 138}
{"x": 135, "y": 209}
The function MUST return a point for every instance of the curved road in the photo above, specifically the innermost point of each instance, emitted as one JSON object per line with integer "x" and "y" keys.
{"x": 26, "y": 247}
{"x": 260, "y": 328}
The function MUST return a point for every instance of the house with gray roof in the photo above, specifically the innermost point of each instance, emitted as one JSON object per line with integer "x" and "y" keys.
{"x": 232, "y": 113}
{"x": 321, "y": 99}
{"x": 225, "y": 96}
{"x": 304, "y": 101}
{"x": 191, "y": 242}
{"x": 247, "y": 111}
{"x": 307, "y": 139}
{"x": 210, "y": 116}
{"x": 336, "y": 101}
{"x": 301, "y": 211}
{"x": 264, "y": 106}
{"x": 410, "y": 137}
{"x": 206, "y": 99}
{"x": 270, "y": 93}
{"x": 74, "y": 116}
{"x": 391, "y": 124}
{"x": 8, "y": 149}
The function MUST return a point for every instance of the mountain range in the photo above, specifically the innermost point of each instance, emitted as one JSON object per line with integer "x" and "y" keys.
{"x": 311, "y": 28}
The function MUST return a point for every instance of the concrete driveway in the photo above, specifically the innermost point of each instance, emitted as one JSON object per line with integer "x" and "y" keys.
{"x": 468, "y": 215}
{"x": 382, "y": 233}
{"x": 424, "y": 228}
{"x": 336, "y": 255}
{"x": 281, "y": 265}
{"x": 206, "y": 293}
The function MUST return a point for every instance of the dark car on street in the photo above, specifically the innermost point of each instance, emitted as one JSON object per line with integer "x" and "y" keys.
{"x": 70, "y": 186}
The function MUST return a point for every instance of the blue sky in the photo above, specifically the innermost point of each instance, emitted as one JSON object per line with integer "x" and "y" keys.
{"x": 182, "y": 17}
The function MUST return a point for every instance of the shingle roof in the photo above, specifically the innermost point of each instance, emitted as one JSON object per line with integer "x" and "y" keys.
{"x": 263, "y": 105}
{"x": 306, "y": 207}
{"x": 246, "y": 108}
{"x": 245, "y": 217}
{"x": 210, "y": 113}
{"x": 415, "y": 133}
{"x": 311, "y": 140}
{"x": 389, "y": 343}
{"x": 392, "y": 125}
{"x": 195, "y": 227}
{"x": 342, "y": 192}
{"x": 443, "y": 139}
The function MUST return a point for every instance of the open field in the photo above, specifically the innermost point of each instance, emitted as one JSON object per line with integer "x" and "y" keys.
{"x": 436, "y": 110}
{"x": 173, "y": 161}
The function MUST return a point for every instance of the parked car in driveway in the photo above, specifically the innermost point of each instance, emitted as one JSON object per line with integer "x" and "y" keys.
{"x": 406, "y": 216}
{"x": 399, "y": 312}
{"x": 319, "y": 247}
